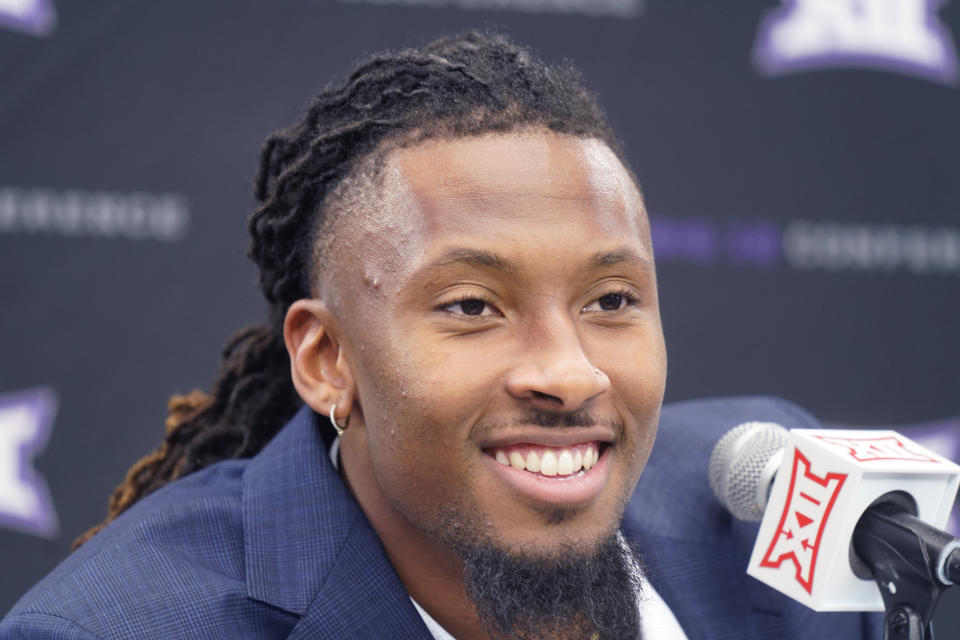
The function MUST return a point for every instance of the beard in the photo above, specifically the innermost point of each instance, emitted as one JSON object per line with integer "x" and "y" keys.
{"x": 573, "y": 594}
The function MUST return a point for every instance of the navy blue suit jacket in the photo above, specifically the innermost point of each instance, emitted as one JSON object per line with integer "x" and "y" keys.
{"x": 275, "y": 547}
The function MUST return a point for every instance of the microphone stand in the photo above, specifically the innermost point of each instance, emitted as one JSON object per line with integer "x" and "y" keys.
{"x": 912, "y": 562}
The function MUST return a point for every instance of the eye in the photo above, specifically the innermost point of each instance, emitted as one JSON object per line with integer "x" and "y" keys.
{"x": 613, "y": 301}
{"x": 469, "y": 307}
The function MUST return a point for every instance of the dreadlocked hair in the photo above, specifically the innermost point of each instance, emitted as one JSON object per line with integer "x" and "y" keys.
{"x": 466, "y": 85}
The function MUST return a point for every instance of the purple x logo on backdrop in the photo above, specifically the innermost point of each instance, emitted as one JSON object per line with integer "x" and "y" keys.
{"x": 25, "y": 421}
{"x": 904, "y": 36}
{"x": 37, "y": 17}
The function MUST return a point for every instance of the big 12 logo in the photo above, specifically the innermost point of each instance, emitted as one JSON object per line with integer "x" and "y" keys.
{"x": 25, "y": 421}
{"x": 810, "y": 501}
{"x": 37, "y": 17}
{"x": 903, "y": 36}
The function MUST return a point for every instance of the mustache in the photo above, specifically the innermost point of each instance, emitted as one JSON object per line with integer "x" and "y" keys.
{"x": 576, "y": 418}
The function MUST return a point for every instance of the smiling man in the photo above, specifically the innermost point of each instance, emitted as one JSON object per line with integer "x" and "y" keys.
{"x": 506, "y": 350}
{"x": 441, "y": 430}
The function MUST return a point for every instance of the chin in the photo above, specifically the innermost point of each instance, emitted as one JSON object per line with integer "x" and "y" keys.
{"x": 570, "y": 587}
{"x": 564, "y": 533}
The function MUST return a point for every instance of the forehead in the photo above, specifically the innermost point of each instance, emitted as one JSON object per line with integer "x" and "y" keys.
{"x": 498, "y": 175}
{"x": 493, "y": 186}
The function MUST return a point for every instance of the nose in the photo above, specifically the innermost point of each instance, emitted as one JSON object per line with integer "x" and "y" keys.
{"x": 555, "y": 373}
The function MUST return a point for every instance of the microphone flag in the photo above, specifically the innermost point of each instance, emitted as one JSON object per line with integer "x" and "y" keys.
{"x": 827, "y": 479}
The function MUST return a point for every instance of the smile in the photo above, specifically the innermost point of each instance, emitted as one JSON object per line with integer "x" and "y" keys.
{"x": 572, "y": 474}
{"x": 549, "y": 461}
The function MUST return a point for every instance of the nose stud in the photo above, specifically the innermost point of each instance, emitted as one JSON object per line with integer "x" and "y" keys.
{"x": 596, "y": 371}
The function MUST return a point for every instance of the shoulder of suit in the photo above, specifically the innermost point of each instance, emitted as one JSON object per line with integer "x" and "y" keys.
{"x": 173, "y": 561}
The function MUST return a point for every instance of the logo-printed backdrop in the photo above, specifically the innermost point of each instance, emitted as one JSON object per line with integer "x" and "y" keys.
{"x": 799, "y": 160}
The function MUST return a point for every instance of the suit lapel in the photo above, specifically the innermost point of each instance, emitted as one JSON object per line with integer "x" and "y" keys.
{"x": 705, "y": 588}
{"x": 309, "y": 548}
{"x": 362, "y": 597}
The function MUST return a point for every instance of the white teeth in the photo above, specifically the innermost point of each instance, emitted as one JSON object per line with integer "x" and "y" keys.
{"x": 548, "y": 465}
{"x": 533, "y": 462}
{"x": 590, "y": 458}
{"x": 551, "y": 462}
{"x": 565, "y": 463}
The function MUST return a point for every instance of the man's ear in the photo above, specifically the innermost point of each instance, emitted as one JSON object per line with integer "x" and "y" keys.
{"x": 318, "y": 364}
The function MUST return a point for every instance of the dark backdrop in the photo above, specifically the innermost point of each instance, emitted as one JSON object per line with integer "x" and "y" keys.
{"x": 800, "y": 168}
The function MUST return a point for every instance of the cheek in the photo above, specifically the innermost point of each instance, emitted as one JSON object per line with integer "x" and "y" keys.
{"x": 639, "y": 376}
{"x": 416, "y": 460}
{"x": 645, "y": 382}
{"x": 638, "y": 369}
{"x": 413, "y": 418}
{"x": 441, "y": 379}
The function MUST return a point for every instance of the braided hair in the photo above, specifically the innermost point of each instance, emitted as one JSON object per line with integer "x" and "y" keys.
{"x": 465, "y": 85}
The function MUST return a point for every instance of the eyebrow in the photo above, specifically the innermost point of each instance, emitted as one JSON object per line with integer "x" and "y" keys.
{"x": 476, "y": 258}
{"x": 621, "y": 256}
{"x": 501, "y": 264}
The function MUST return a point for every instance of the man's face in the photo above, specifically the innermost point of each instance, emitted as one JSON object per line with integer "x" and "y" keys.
{"x": 500, "y": 314}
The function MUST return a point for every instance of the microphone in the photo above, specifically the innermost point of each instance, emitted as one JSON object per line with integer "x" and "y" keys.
{"x": 841, "y": 511}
